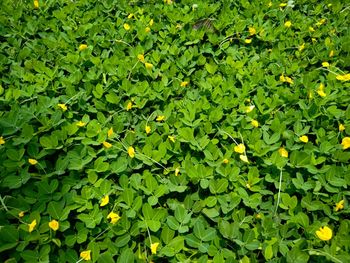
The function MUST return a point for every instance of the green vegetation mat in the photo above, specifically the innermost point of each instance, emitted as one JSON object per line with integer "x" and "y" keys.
{"x": 174, "y": 131}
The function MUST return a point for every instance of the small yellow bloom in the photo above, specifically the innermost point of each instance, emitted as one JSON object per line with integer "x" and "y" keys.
{"x": 169, "y": 2}
{"x": 320, "y": 91}
{"x": 283, "y": 152}
{"x": 252, "y": 31}
{"x": 346, "y": 143}
{"x": 126, "y": 26}
{"x": 148, "y": 65}
{"x": 21, "y": 214}
{"x": 240, "y": 148}
{"x": 339, "y": 205}
{"x": 225, "y": 161}
{"x": 86, "y": 255}
{"x": 130, "y": 15}
{"x": 104, "y": 200}
{"x": 36, "y": 4}
{"x": 248, "y": 41}
{"x": 282, "y": 78}
{"x": 141, "y": 58}
{"x": 171, "y": 138}
{"x": 255, "y": 123}
{"x": 110, "y": 132}
{"x": 31, "y": 226}
{"x": 325, "y": 64}
{"x": 83, "y": 47}
{"x": 311, "y": 29}
{"x": 160, "y": 118}
{"x": 269, "y": 4}
{"x": 249, "y": 108}
{"x": 283, "y": 4}
{"x": 288, "y": 24}
{"x": 177, "y": 171}
{"x": 107, "y": 145}
{"x": 302, "y": 47}
{"x": 114, "y": 217}
{"x": 80, "y": 124}
{"x": 248, "y": 185}
{"x": 345, "y": 77}
{"x": 324, "y": 233}
{"x": 341, "y": 127}
{"x": 154, "y": 247}
{"x": 331, "y": 53}
{"x": 321, "y": 22}
{"x": 244, "y": 158}
{"x": 129, "y": 106}
{"x": 32, "y": 161}
{"x": 313, "y": 40}
{"x": 184, "y": 83}
{"x": 147, "y": 29}
{"x": 131, "y": 151}
{"x": 289, "y": 80}
{"x": 54, "y": 225}
{"x": 62, "y": 106}
{"x": 304, "y": 139}
{"x": 148, "y": 129}
{"x": 151, "y": 22}
{"x": 2, "y": 140}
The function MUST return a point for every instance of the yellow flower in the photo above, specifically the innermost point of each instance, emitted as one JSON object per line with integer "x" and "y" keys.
{"x": 240, "y": 148}
{"x": 339, "y": 205}
{"x": 252, "y": 31}
{"x": 169, "y": 2}
{"x": 177, "y": 171}
{"x": 141, "y": 58}
{"x": 283, "y": 152}
{"x": 148, "y": 65}
{"x": 2, "y": 140}
{"x": 324, "y": 233}
{"x": 225, "y": 161}
{"x": 249, "y": 108}
{"x": 104, "y": 200}
{"x": 21, "y": 214}
{"x": 288, "y": 24}
{"x": 86, "y": 255}
{"x": 110, "y": 132}
{"x": 83, "y": 47}
{"x": 255, "y": 123}
{"x": 126, "y": 26}
{"x": 345, "y": 77}
{"x": 130, "y": 15}
{"x": 151, "y": 22}
{"x": 269, "y": 4}
{"x": 341, "y": 127}
{"x": 244, "y": 158}
{"x": 311, "y": 29}
{"x": 154, "y": 247}
{"x": 160, "y": 118}
{"x": 331, "y": 53}
{"x": 107, "y": 145}
{"x": 325, "y": 64}
{"x": 54, "y": 225}
{"x": 320, "y": 91}
{"x": 31, "y": 226}
{"x": 302, "y": 47}
{"x": 184, "y": 83}
{"x": 346, "y": 143}
{"x": 81, "y": 124}
{"x": 32, "y": 161}
{"x": 129, "y": 106}
{"x": 171, "y": 138}
{"x": 283, "y": 4}
{"x": 147, "y": 29}
{"x": 289, "y": 80}
{"x": 36, "y": 4}
{"x": 148, "y": 129}
{"x": 114, "y": 217}
{"x": 248, "y": 41}
{"x": 321, "y": 22}
{"x": 304, "y": 138}
{"x": 131, "y": 151}
{"x": 62, "y": 106}
{"x": 313, "y": 40}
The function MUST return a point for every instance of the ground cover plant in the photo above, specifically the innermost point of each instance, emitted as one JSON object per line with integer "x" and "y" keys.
{"x": 174, "y": 131}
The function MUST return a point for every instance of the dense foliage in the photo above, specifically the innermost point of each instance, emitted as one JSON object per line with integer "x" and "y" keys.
{"x": 175, "y": 131}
